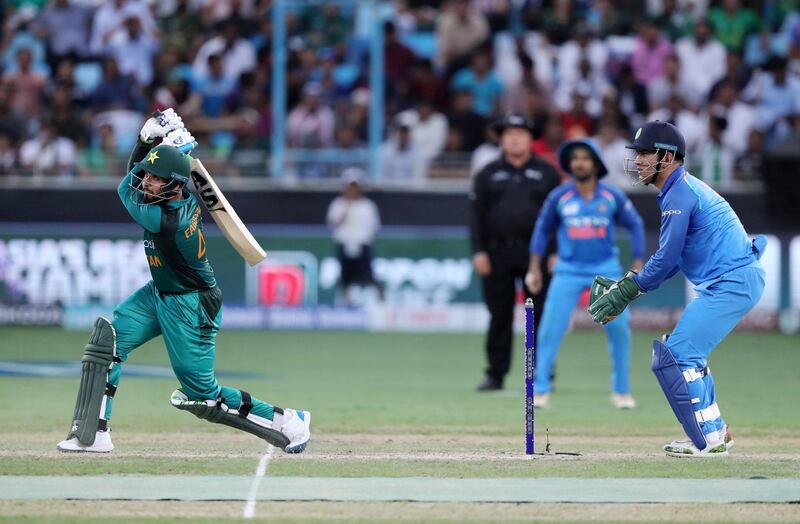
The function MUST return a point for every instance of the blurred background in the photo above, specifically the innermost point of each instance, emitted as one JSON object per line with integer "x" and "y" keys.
{"x": 292, "y": 101}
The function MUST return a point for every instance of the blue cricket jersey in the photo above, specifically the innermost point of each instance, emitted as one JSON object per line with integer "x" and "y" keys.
{"x": 700, "y": 235}
{"x": 585, "y": 229}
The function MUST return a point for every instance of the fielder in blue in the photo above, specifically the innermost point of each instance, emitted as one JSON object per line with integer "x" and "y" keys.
{"x": 701, "y": 236}
{"x": 584, "y": 214}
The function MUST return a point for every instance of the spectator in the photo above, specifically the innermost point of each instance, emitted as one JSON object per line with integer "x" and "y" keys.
{"x": 482, "y": 82}
{"x": 355, "y": 222}
{"x": 776, "y": 95}
{"x": 324, "y": 27}
{"x": 48, "y": 154}
{"x": 400, "y": 159}
{"x": 613, "y": 151}
{"x": 674, "y": 20}
{"x": 134, "y": 50}
{"x": 428, "y": 129}
{"x": 546, "y": 147}
{"x": 517, "y": 89}
{"x": 650, "y": 49}
{"x": 26, "y": 86}
{"x": 180, "y": 29}
{"x": 632, "y": 97}
{"x": 675, "y": 82}
{"x": 748, "y": 165}
{"x": 727, "y": 104}
{"x": 558, "y": 22}
{"x": 398, "y": 59}
{"x": 177, "y": 94}
{"x": 101, "y": 158}
{"x": 714, "y": 158}
{"x": 66, "y": 118}
{"x": 19, "y": 35}
{"x": 65, "y": 27}
{"x": 12, "y": 123}
{"x": 605, "y": 19}
{"x": 677, "y": 113}
{"x": 459, "y": 30}
{"x": 732, "y": 24}
{"x": 487, "y": 152}
{"x": 8, "y": 155}
{"x": 214, "y": 88}
{"x": 702, "y": 61}
{"x": 583, "y": 48}
{"x": 110, "y": 17}
{"x": 427, "y": 86}
{"x": 736, "y": 73}
{"x": 116, "y": 91}
{"x": 577, "y": 122}
{"x": 310, "y": 124}
{"x": 238, "y": 54}
{"x": 589, "y": 82}
{"x": 466, "y": 121}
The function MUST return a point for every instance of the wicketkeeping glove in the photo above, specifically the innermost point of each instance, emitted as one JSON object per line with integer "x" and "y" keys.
{"x": 608, "y": 299}
{"x": 181, "y": 139}
{"x": 159, "y": 125}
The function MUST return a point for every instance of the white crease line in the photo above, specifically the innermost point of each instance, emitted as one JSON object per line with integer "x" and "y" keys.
{"x": 261, "y": 470}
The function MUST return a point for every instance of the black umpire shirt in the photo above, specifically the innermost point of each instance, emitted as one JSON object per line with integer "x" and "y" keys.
{"x": 506, "y": 201}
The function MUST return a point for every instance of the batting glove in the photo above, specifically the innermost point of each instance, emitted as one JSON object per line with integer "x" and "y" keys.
{"x": 159, "y": 125}
{"x": 181, "y": 139}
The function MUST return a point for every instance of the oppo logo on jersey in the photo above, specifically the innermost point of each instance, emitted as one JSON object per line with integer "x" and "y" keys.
{"x": 671, "y": 212}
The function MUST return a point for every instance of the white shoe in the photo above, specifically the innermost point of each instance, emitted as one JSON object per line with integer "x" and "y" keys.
{"x": 687, "y": 449}
{"x": 102, "y": 444}
{"x": 541, "y": 401}
{"x": 623, "y": 401}
{"x": 297, "y": 429}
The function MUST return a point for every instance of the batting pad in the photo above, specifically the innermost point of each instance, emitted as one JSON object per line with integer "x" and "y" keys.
{"x": 219, "y": 413}
{"x": 673, "y": 383}
{"x": 98, "y": 356}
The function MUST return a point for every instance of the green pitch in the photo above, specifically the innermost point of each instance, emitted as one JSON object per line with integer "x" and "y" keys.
{"x": 402, "y": 405}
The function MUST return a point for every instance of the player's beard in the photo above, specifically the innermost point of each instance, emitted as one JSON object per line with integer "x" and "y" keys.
{"x": 584, "y": 176}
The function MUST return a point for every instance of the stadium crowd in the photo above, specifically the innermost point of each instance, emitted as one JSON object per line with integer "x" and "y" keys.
{"x": 79, "y": 76}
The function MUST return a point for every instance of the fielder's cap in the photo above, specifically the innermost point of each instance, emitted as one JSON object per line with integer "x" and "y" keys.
{"x": 565, "y": 154}
{"x": 659, "y": 135}
{"x": 513, "y": 120}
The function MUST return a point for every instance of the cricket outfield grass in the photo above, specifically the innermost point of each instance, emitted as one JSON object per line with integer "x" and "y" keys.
{"x": 402, "y": 407}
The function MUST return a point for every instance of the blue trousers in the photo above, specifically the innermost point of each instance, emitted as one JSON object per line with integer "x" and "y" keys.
{"x": 707, "y": 320}
{"x": 562, "y": 296}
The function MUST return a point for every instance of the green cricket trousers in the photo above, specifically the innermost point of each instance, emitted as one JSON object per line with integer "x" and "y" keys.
{"x": 189, "y": 323}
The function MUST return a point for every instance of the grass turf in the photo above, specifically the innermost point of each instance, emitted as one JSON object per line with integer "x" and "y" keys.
{"x": 404, "y": 405}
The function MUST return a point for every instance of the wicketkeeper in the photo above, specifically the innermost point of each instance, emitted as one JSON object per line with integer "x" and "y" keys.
{"x": 701, "y": 236}
{"x": 182, "y": 302}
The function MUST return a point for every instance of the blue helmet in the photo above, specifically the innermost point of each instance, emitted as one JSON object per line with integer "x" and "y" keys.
{"x": 658, "y": 135}
{"x": 565, "y": 152}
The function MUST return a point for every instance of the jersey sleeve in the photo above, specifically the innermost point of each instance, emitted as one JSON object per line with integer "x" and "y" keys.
{"x": 546, "y": 223}
{"x": 146, "y": 215}
{"x": 675, "y": 216}
{"x": 629, "y": 218}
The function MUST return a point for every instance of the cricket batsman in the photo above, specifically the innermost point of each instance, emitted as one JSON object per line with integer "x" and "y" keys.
{"x": 701, "y": 236}
{"x": 584, "y": 214}
{"x": 182, "y": 303}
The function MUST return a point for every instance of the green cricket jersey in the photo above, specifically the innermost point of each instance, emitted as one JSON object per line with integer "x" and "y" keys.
{"x": 173, "y": 236}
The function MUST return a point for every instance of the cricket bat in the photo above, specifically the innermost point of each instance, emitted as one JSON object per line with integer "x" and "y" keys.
{"x": 225, "y": 216}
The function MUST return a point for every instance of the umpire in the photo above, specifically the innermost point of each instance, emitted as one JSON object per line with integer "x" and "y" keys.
{"x": 506, "y": 198}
